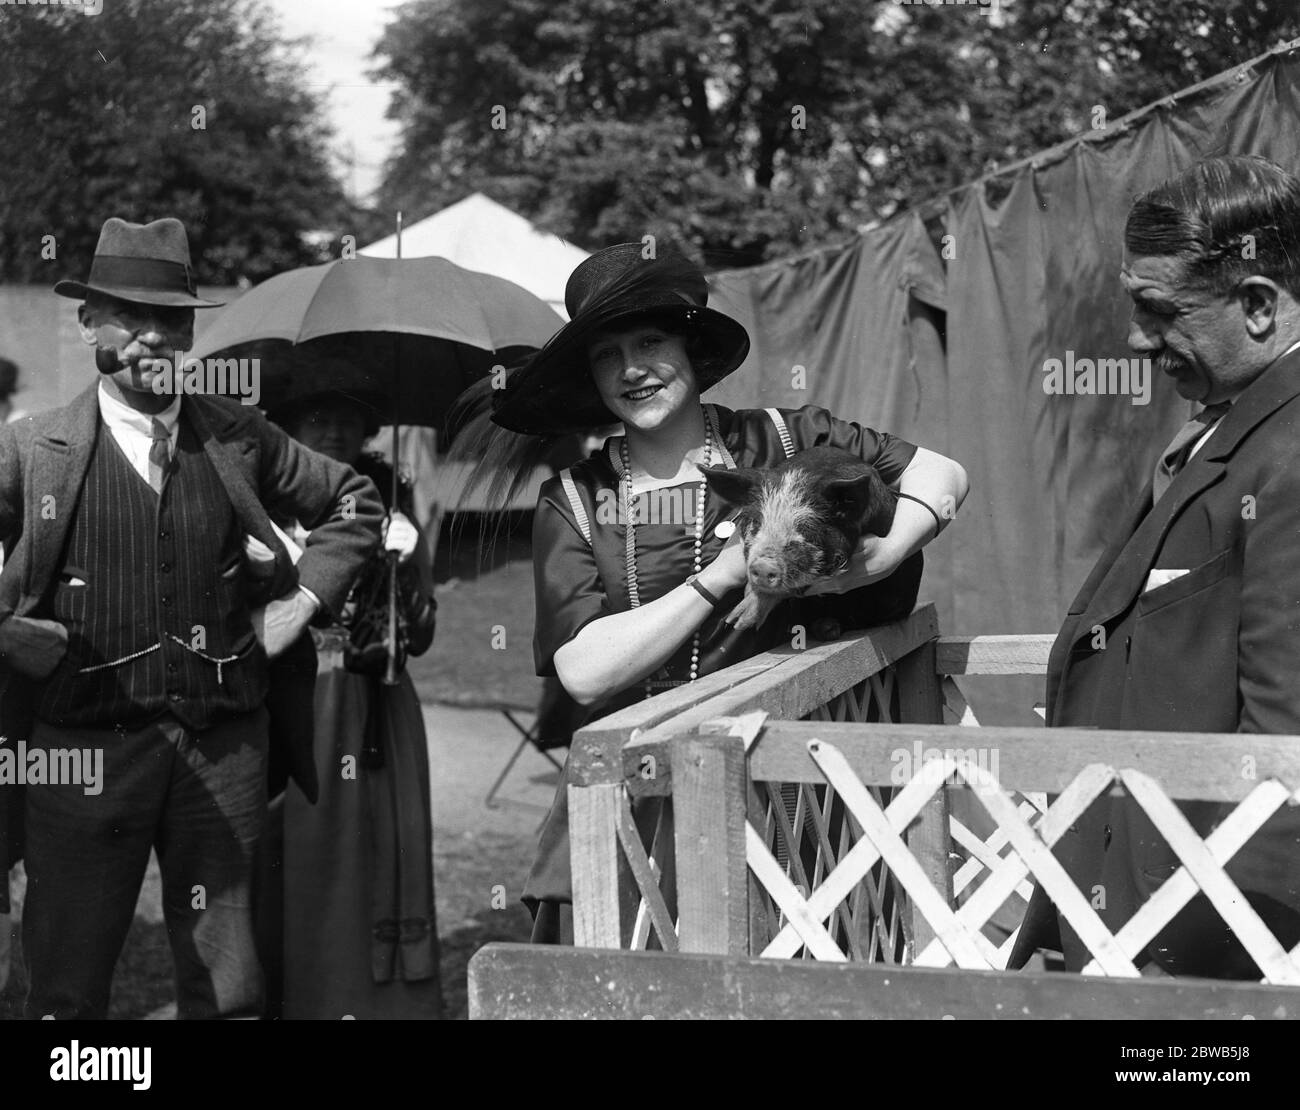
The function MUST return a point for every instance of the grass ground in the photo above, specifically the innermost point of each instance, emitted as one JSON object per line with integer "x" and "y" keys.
{"x": 482, "y": 653}
{"x": 466, "y": 868}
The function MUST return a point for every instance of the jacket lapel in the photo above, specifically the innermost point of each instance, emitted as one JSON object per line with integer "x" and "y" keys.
{"x": 217, "y": 431}
{"x": 1120, "y": 585}
{"x": 60, "y": 459}
{"x": 1124, "y": 580}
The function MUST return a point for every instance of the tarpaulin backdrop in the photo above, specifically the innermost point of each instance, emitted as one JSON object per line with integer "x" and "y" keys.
{"x": 1031, "y": 275}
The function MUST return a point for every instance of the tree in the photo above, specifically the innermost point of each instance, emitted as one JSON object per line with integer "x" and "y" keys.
{"x": 160, "y": 108}
{"x": 756, "y": 128}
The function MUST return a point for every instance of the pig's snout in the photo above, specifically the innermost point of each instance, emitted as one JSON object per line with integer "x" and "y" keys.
{"x": 765, "y": 572}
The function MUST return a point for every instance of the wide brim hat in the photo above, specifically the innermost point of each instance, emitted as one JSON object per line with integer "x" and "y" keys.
{"x": 553, "y": 393}
{"x": 299, "y": 378}
{"x": 371, "y": 405}
{"x": 141, "y": 263}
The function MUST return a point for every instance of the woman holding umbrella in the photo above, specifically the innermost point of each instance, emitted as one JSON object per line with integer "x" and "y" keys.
{"x": 629, "y": 605}
{"x": 360, "y": 936}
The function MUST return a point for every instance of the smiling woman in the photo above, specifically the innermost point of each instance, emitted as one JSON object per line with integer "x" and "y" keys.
{"x": 630, "y": 603}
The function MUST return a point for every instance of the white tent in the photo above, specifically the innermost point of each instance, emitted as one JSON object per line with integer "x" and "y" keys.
{"x": 480, "y": 234}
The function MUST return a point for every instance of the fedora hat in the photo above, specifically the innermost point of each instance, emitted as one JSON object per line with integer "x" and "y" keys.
{"x": 141, "y": 263}
{"x": 554, "y": 393}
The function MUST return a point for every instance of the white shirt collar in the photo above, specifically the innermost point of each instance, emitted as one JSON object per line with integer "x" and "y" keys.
{"x": 121, "y": 417}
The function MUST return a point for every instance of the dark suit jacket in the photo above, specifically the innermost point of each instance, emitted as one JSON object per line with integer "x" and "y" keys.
{"x": 43, "y": 463}
{"x": 1215, "y": 650}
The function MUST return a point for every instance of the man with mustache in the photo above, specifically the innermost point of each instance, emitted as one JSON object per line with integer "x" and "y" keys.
{"x": 1191, "y": 620}
{"x": 127, "y": 626}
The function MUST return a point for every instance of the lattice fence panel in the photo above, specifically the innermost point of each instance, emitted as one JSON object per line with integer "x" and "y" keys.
{"x": 646, "y": 842}
{"x": 978, "y": 846}
{"x": 814, "y": 923}
{"x": 809, "y": 831}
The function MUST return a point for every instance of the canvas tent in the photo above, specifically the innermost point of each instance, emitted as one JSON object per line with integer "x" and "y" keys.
{"x": 948, "y": 347}
{"x": 480, "y": 234}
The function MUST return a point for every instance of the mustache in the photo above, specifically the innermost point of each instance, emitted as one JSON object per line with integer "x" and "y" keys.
{"x": 1166, "y": 363}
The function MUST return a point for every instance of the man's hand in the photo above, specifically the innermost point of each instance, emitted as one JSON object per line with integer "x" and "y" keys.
{"x": 33, "y": 647}
{"x": 279, "y": 623}
{"x": 874, "y": 558}
{"x": 260, "y": 558}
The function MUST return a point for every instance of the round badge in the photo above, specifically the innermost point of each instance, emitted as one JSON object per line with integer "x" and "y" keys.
{"x": 724, "y": 529}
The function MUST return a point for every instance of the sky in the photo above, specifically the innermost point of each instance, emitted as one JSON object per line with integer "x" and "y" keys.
{"x": 342, "y": 34}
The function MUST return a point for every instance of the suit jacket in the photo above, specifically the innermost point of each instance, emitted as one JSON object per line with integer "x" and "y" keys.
{"x": 1213, "y": 650}
{"x": 43, "y": 464}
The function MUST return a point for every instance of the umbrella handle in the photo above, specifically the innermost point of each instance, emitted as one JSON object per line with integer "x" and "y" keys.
{"x": 390, "y": 673}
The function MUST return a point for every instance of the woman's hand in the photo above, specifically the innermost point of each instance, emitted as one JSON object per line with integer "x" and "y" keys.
{"x": 401, "y": 536}
{"x": 728, "y": 570}
{"x": 874, "y": 558}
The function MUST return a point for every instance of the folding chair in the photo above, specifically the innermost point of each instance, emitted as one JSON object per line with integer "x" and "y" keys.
{"x": 558, "y": 716}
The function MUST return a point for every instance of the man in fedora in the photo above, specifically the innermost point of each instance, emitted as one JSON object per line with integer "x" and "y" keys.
{"x": 127, "y": 629}
{"x": 1190, "y": 622}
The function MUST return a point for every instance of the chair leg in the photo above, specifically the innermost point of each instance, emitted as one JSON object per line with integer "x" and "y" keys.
{"x": 490, "y": 801}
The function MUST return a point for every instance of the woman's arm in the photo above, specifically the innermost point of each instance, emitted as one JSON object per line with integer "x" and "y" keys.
{"x": 931, "y": 478}
{"x": 614, "y": 652}
{"x": 942, "y": 485}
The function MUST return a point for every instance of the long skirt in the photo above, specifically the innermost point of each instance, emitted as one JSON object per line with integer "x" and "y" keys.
{"x": 360, "y": 935}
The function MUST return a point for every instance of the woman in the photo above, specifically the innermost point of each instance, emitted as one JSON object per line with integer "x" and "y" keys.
{"x": 360, "y": 937}
{"x": 628, "y": 603}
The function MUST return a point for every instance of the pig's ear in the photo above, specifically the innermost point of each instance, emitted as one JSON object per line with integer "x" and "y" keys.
{"x": 881, "y": 517}
{"x": 864, "y": 502}
{"x": 736, "y": 487}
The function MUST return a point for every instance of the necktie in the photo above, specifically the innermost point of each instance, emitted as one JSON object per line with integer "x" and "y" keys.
{"x": 160, "y": 455}
{"x": 1174, "y": 457}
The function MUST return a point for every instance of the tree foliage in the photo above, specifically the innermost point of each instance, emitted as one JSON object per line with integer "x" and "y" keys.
{"x": 756, "y": 128}
{"x": 102, "y": 117}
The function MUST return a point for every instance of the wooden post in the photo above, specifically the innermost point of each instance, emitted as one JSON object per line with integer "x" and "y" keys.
{"x": 594, "y": 858}
{"x": 929, "y": 839}
{"x": 603, "y": 889}
{"x": 709, "y": 800}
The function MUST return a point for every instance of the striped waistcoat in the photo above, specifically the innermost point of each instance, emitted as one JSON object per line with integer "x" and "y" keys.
{"x": 153, "y": 594}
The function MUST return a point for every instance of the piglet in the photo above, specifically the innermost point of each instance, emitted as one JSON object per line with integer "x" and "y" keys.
{"x": 801, "y": 522}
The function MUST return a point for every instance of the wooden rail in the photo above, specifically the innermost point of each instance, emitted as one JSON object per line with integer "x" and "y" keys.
{"x": 521, "y": 982}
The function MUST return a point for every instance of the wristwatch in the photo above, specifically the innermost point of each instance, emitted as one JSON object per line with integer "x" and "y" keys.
{"x": 694, "y": 582}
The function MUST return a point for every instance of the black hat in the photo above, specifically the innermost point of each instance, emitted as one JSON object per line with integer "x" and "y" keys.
{"x": 554, "y": 391}
{"x": 141, "y": 263}
{"x": 370, "y": 405}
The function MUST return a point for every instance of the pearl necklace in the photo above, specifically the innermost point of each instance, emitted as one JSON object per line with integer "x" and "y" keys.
{"x": 630, "y": 548}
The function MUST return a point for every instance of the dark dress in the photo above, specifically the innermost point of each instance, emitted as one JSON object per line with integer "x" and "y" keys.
{"x": 577, "y": 583}
{"x": 360, "y": 933}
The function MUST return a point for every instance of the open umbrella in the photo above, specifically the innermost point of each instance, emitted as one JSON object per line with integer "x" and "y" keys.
{"x": 416, "y": 331}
